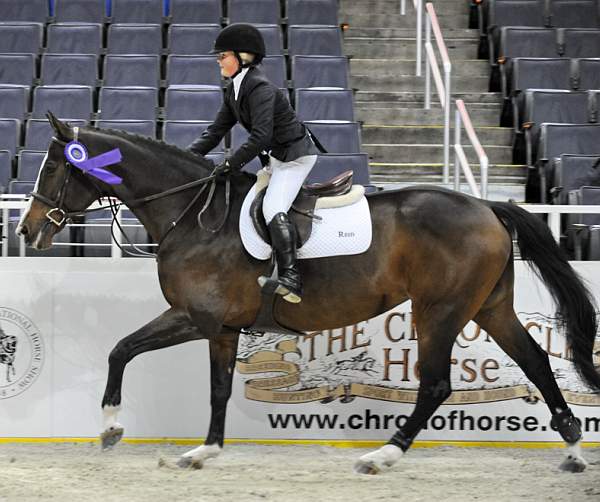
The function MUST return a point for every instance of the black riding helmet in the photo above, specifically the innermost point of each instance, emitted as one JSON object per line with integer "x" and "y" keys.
{"x": 241, "y": 37}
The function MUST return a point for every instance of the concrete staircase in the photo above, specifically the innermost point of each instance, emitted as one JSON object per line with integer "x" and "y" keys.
{"x": 404, "y": 141}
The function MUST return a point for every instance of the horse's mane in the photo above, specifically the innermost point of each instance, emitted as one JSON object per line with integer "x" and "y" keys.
{"x": 168, "y": 153}
{"x": 157, "y": 146}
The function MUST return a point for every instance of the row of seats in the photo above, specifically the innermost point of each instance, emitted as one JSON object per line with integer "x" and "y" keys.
{"x": 147, "y": 71}
{"x": 496, "y": 14}
{"x": 550, "y": 105}
{"x": 582, "y": 238}
{"x": 545, "y": 73}
{"x": 336, "y": 137}
{"x": 518, "y": 42}
{"x": 178, "y": 11}
{"x": 191, "y": 39}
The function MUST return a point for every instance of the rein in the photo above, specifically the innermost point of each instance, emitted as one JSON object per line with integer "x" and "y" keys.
{"x": 57, "y": 206}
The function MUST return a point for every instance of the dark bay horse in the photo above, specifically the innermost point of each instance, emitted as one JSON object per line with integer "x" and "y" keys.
{"x": 449, "y": 253}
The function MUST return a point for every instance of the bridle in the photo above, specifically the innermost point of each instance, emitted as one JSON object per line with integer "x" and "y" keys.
{"x": 59, "y": 215}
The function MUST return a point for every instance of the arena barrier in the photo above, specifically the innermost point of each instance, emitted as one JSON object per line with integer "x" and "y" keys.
{"x": 61, "y": 317}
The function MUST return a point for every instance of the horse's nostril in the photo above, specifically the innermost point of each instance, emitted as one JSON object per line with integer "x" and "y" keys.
{"x": 22, "y": 230}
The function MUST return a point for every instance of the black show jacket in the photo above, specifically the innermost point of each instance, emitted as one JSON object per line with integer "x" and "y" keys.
{"x": 266, "y": 113}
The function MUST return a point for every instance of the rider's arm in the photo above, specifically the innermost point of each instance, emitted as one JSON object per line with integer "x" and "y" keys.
{"x": 262, "y": 104}
{"x": 215, "y": 132}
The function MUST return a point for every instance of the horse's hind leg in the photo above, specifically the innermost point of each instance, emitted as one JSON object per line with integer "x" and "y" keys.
{"x": 170, "y": 328}
{"x": 437, "y": 329}
{"x": 504, "y": 327}
{"x": 223, "y": 351}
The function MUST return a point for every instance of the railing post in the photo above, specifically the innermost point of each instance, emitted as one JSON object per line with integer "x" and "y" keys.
{"x": 402, "y": 7}
{"x": 484, "y": 177}
{"x": 5, "y": 231}
{"x": 419, "y": 36}
{"x": 427, "y": 67}
{"x": 457, "y": 127}
{"x": 447, "y": 108}
{"x": 115, "y": 250}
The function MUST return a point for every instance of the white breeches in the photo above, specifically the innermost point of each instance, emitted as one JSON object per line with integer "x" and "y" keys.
{"x": 285, "y": 183}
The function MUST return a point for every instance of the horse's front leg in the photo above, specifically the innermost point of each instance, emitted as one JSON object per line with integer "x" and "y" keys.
{"x": 170, "y": 328}
{"x": 223, "y": 351}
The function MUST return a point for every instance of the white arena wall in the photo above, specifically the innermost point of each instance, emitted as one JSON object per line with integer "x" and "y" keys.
{"x": 347, "y": 384}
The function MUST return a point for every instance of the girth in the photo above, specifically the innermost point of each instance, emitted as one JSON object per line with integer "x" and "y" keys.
{"x": 302, "y": 211}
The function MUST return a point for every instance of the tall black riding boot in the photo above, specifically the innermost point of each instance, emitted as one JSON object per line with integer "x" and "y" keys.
{"x": 283, "y": 240}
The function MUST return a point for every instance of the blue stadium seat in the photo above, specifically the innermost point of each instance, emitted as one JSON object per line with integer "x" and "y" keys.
{"x": 315, "y": 40}
{"x": 319, "y": 103}
{"x": 184, "y": 132}
{"x": 217, "y": 158}
{"x": 196, "y": 11}
{"x": 579, "y": 42}
{"x": 134, "y": 39}
{"x": 130, "y": 70}
{"x": 30, "y": 162}
{"x": 254, "y": 11}
{"x": 39, "y": 132}
{"x": 273, "y": 39}
{"x": 275, "y": 70}
{"x": 5, "y": 169}
{"x": 14, "y": 101}
{"x": 193, "y": 70}
{"x": 141, "y": 127}
{"x": 10, "y": 135}
{"x": 17, "y": 69}
{"x": 569, "y": 173}
{"x": 80, "y": 11}
{"x": 24, "y": 10}
{"x": 320, "y": 71}
{"x": 67, "y": 38}
{"x": 574, "y": 13}
{"x": 337, "y": 137}
{"x": 192, "y": 103}
{"x": 69, "y": 69}
{"x": 192, "y": 39}
{"x": 24, "y": 38}
{"x": 66, "y": 102}
{"x": 137, "y": 11}
{"x": 134, "y": 103}
{"x": 587, "y": 74}
{"x": 312, "y": 12}
{"x": 331, "y": 164}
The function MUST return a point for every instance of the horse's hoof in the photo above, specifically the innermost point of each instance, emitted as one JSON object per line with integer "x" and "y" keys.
{"x": 111, "y": 437}
{"x": 366, "y": 467}
{"x": 573, "y": 464}
{"x": 190, "y": 463}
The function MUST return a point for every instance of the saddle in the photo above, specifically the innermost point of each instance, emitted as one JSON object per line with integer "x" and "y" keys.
{"x": 302, "y": 212}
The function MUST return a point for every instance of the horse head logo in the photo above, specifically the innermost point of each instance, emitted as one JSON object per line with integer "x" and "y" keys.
{"x": 8, "y": 352}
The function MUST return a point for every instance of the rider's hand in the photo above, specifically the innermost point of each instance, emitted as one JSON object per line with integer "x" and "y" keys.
{"x": 222, "y": 169}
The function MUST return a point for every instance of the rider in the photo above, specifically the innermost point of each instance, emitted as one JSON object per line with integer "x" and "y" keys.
{"x": 263, "y": 110}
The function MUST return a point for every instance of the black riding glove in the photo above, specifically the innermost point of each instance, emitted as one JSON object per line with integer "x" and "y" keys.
{"x": 223, "y": 169}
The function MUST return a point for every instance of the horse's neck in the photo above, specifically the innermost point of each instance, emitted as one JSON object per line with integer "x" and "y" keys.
{"x": 145, "y": 175}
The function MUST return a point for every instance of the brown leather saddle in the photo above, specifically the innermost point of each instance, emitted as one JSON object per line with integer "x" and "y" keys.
{"x": 302, "y": 212}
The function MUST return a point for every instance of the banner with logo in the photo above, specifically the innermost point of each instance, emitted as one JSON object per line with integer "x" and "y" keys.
{"x": 60, "y": 318}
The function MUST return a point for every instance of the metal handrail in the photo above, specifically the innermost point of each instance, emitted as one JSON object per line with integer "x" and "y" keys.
{"x": 443, "y": 87}
{"x": 418, "y": 5}
{"x": 460, "y": 159}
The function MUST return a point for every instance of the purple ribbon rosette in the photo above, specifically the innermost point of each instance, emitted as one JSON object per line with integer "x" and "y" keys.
{"x": 77, "y": 155}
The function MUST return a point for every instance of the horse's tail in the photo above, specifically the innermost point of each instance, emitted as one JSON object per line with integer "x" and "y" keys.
{"x": 575, "y": 304}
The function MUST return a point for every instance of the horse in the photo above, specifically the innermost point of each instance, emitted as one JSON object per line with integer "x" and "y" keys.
{"x": 450, "y": 253}
{"x": 8, "y": 353}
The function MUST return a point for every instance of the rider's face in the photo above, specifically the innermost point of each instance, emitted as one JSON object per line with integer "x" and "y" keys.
{"x": 228, "y": 63}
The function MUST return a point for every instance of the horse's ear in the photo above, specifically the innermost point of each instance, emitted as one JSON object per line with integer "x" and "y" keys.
{"x": 63, "y": 130}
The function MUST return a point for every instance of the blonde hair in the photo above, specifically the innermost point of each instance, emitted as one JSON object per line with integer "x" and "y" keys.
{"x": 246, "y": 57}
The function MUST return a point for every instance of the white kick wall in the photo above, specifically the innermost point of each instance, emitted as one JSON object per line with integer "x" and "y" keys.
{"x": 63, "y": 316}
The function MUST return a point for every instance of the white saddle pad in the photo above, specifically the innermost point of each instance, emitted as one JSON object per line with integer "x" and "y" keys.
{"x": 341, "y": 231}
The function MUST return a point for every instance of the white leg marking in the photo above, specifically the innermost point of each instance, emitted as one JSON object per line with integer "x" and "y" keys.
{"x": 375, "y": 461}
{"x": 204, "y": 452}
{"x": 109, "y": 416}
{"x": 574, "y": 461}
